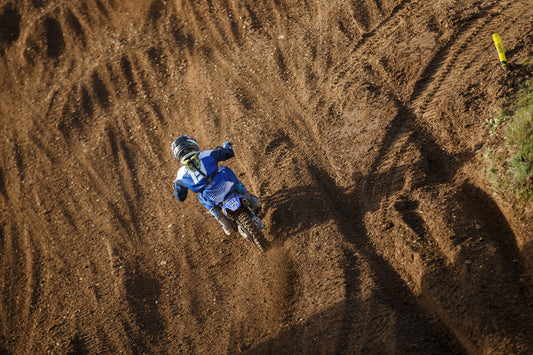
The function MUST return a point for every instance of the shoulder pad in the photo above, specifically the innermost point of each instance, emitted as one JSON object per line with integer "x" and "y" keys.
{"x": 181, "y": 173}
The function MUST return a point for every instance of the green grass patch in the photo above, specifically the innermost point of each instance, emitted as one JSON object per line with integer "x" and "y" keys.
{"x": 510, "y": 161}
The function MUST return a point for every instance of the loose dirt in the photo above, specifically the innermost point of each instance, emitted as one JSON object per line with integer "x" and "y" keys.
{"x": 360, "y": 124}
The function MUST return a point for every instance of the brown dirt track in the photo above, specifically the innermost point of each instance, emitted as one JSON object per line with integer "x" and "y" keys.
{"x": 359, "y": 123}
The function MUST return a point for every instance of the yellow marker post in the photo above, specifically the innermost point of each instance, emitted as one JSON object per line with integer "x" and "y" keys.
{"x": 499, "y": 48}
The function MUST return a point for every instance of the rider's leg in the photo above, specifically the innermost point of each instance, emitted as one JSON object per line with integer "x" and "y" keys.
{"x": 226, "y": 224}
{"x": 255, "y": 202}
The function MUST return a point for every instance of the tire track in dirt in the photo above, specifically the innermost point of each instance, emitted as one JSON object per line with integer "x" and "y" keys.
{"x": 385, "y": 26}
{"x": 445, "y": 69}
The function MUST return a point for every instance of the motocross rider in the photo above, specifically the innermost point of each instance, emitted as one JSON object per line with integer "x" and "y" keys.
{"x": 200, "y": 173}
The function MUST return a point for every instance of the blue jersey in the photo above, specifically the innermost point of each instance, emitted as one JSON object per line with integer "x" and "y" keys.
{"x": 211, "y": 183}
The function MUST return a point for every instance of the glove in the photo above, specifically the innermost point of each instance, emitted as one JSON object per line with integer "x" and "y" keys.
{"x": 226, "y": 145}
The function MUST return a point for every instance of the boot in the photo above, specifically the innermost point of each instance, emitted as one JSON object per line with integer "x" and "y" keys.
{"x": 255, "y": 202}
{"x": 225, "y": 223}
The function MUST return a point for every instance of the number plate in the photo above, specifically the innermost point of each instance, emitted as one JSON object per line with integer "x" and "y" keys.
{"x": 233, "y": 204}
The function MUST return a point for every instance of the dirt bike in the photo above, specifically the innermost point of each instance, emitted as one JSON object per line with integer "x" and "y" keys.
{"x": 237, "y": 208}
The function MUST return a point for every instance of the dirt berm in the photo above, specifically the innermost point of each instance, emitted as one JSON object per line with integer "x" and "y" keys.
{"x": 360, "y": 124}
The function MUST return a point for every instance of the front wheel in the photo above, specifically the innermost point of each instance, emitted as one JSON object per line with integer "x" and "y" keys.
{"x": 251, "y": 230}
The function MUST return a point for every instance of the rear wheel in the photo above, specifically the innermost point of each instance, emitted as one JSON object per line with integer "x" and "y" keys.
{"x": 252, "y": 230}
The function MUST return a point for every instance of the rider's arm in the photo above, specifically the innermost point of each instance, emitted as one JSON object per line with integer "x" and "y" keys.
{"x": 180, "y": 191}
{"x": 223, "y": 153}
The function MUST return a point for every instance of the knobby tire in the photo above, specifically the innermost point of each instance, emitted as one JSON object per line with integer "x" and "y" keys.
{"x": 257, "y": 234}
